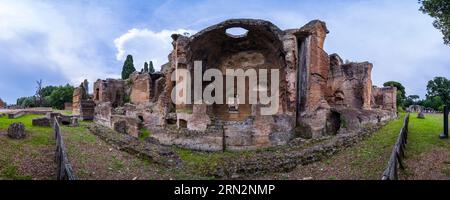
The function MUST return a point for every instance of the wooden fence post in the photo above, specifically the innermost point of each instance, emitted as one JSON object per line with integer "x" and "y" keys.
{"x": 64, "y": 169}
{"x": 445, "y": 134}
{"x": 398, "y": 153}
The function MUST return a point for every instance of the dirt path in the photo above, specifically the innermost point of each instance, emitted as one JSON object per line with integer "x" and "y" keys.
{"x": 431, "y": 165}
{"x": 97, "y": 160}
{"x": 346, "y": 165}
{"x": 94, "y": 159}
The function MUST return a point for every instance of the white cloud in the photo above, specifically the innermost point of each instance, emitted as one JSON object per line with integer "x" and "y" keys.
{"x": 146, "y": 45}
{"x": 394, "y": 35}
{"x": 43, "y": 36}
{"x": 80, "y": 40}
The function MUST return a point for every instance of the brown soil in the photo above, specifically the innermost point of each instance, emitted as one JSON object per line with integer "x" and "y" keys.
{"x": 38, "y": 161}
{"x": 35, "y": 162}
{"x": 431, "y": 165}
{"x": 101, "y": 161}
{"x": 339, "y": 167}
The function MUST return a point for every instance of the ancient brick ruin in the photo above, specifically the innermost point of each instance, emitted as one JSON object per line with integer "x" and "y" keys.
{"x": 319, "y": 94}
{"x": 82, "y": 104}
{"x": 2, "y": 104}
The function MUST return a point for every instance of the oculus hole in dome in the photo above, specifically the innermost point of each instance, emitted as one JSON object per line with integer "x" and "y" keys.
{"x": 236, "y": 32}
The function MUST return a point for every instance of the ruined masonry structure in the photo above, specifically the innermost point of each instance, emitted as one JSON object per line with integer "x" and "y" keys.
{"x": 319, "y": 94}
{"x": 2, "y": 104}
{"x": 82, "y": 105}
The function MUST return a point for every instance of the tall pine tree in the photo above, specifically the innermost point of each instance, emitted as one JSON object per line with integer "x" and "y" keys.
{"x": 145, "y": 67}
{"x": 151, "y": 68}
{"x": 128, "y": 67}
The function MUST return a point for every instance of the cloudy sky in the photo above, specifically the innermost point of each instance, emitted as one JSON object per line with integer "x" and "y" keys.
{"x": 67, "y": 41}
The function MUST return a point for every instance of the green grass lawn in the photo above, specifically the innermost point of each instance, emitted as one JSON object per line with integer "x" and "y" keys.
{"x": 366, "y": 160}
{"x": 91, "y": 157}
{"x": 427, "y": 156}
{"x": 372, "y": 154}
{"x": 15, "y": 153}
{"x": 424, "y": 134}
{"x": 369, "y": 158}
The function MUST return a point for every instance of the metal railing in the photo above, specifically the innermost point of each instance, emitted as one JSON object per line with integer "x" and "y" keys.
{"x": 398, "y": 153}
{"x": 64, "y": 169}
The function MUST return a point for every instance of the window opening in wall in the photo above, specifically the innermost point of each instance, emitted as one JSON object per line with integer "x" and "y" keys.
{"x": 233, "y": 104}
{"x": 236, "y": 32}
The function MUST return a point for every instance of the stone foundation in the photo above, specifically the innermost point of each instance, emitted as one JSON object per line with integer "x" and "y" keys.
{"x": 87, "y": 110}
{"x": 41, "y": 122}
{"x": 145, "y": 149}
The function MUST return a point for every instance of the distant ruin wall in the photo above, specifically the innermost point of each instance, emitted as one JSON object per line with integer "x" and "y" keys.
{"x": 79, "y": 94}
{"x": 385, "y": 98}
{"x": 2, "y": 104}
{"x": 141, "y": 90}
{"x": 109, "y": 90}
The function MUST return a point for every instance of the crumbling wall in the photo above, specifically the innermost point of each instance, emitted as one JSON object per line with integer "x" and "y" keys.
{"x": 109, "y": 90}
{"x": 290, "y": 47}
{"x": 79, "y": 94}
{"x": 261, "y": 47}
{"x": 199, "y": 120}
{"x": 126, "y": 125}
{"x": 82, "y": 105}
{"x": 384, "y": 98}
{"x": 141, "y": 90}
{"x": 103, "y": 112}
{"x": 87, "y": 110}
{"x": 312, "y": 75}
{"x": 2, "y": 104}
{"x": 106, "y": 115}
{"x": 350, "y": 85}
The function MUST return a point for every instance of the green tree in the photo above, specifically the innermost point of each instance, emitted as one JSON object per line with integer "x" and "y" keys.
{"x": 59, "y": 96}
{"x": 414, "y": 97}
{"x": 433, "y": 102}
{"x": 401, "y": 94}
{"x": 145, "y": 67}
{"x": 439, "y": 87}
{"x": 440, "y": 10}
{"x": 26, "y": 102}
{"x": 20, "y": 101}
{"x": 128, "y": 67}
{"x": 411, "y": 100}
{"x": 52, "y": 96}
{"x": 46, "y": 91}
{"x": 151, "y": 68}
{"x": 4, "y": 103}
